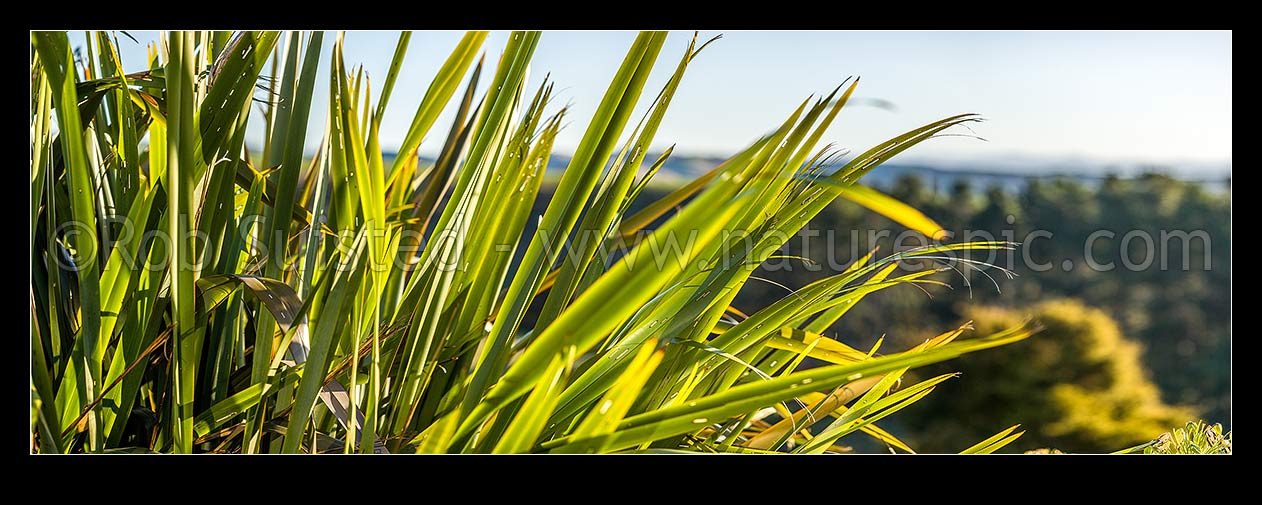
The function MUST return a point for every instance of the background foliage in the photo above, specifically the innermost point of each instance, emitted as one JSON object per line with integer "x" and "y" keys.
{"x": 1178, "y": 321}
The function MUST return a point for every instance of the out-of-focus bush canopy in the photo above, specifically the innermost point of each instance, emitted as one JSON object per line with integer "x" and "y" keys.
{"x": 1178, "y": 320}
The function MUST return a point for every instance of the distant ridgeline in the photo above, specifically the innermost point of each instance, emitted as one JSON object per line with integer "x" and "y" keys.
{"x": 684, "y": 167}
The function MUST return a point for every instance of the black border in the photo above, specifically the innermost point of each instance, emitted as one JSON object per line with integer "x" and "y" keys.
{"x": 645, "y": 15}
{"x": 1017, "y": 477}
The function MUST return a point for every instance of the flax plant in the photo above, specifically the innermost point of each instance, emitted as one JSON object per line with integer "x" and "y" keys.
{"x": 189, "y": 294}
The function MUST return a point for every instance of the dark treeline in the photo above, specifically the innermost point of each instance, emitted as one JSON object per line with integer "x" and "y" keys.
{"x": 1178, "y": 312}
{"x": 1179, "y": 317}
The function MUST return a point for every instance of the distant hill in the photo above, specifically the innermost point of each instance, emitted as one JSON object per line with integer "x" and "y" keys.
{"x": 941, "y": 176}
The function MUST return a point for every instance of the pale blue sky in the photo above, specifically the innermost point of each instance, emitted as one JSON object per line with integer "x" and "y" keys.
{"x": 1108, "y": 97}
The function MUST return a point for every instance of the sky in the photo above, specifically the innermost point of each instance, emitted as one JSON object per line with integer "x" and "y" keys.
{"x": 1049, "y": 97}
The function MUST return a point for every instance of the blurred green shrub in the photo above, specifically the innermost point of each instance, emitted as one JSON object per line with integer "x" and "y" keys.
{"x": 1079, "y": 386}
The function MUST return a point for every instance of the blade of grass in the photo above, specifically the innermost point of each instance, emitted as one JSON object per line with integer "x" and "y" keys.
{"x": 56, "y": 61}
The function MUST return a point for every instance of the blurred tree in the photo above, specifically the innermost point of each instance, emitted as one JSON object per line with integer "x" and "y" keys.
{"x": 960, "y": 206}
{"x": 1078, "y": 386}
